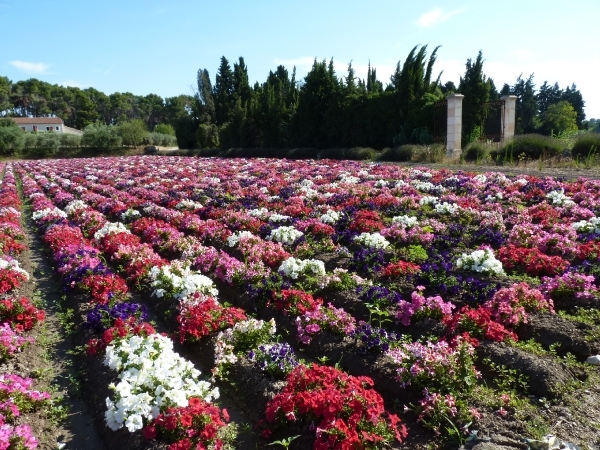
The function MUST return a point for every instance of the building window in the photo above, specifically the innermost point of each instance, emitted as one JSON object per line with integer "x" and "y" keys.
{"x": 35, "y": 128}
{"x": 48, "y": 129}
{"x": 23, "y": 128}
{"x": 57, "y": 128}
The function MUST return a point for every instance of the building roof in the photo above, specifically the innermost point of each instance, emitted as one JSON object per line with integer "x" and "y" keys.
{"x": 37, "y": 120}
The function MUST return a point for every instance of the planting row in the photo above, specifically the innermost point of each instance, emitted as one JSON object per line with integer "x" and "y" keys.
{"x": 409, "y": 274}
{"x": 18, "y": 316}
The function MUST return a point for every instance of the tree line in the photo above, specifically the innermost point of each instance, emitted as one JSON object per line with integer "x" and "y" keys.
{"x": 322, "y": 110}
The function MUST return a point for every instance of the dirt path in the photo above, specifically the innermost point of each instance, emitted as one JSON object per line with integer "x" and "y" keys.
{"x": 51, "y": 358}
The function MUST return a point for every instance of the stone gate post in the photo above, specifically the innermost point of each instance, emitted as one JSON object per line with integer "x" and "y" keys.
{"x": 508, "y": 116}
{"x": 454, "y": 133}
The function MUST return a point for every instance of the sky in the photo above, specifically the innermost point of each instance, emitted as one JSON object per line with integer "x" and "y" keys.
{"x": 157, "y": 46}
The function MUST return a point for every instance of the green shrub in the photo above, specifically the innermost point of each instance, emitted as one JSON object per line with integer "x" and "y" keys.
{"x": 164, "y": 128}
{"x": 207, "y": 152}
{"x": 69, "y": 140}
{"x": 101, "y": 137}
{"x": 332, "y": 153}
{"x": 476, "y": 151}
{"x": 585, "y": 145}
{"x": 302, "y": 153}
{"x": 398, "y": 153}
{"x": 429, "y": 153}
{"x": 48, "y": 142}
{"x": 12, "y": 140}
{"x": 360, "y": 153}
{"x": 533, "y": 146}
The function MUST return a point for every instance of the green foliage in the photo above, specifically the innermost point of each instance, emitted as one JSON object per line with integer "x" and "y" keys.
{"x": 69, "y": 140}
{"x": 133, "y": 132}
{"x": 476, "y": 151}
{"x": 434, "y": 153}
{"x": 164, "y": 128}
{"x": 533, "y": 146}
{"x": 101, "y": 137}
{"x": 414, "y": 253}
{"x": 360, "y": 153}
{"x": 12, "y": 138}
{"x": 48, "y": 143}
{"x": 507, "y": 379}
{"x": 207, "y": 135}
{"x": 585, "y": 145}
{"x": 560, "y": 117}
{"x": 398, "y": 153}
{"x": 160, "y": 139}
{"x": 302, "y": 153}
{"x": 475, "y": 86}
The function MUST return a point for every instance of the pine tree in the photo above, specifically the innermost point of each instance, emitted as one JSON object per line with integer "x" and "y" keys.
{"x": 476, "y": 89}
{"x": 223, "y": 92}
{"x": 204, "y": 97}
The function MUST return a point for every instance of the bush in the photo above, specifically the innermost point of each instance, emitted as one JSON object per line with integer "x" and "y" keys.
{"x": 401, "y": 153}
{"x": 164, "y": 128}
{"x": 206, "y": 152}
{"x": 302, "y": 153}
{"x": 429, "y": 153}
{"x": 101, "y": 137}
{"x": 475, "y": 151}
{"x": 533, "y": 146}
{"x": 48, "y": 143}
{"x": 133, "y": 132}
{"x": 70, "y": 140}
{"x": 585, "y": 145}
{"x": 12, "y": 140}
{"x": 360, "y": 153}
{"x": 332, "y": 153}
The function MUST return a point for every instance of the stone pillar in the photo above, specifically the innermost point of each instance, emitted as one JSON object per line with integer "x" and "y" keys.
{"x": 508, "y": 116}
{"x": 454, "y": 134}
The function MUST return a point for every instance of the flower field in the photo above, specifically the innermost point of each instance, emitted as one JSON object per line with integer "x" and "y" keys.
{"x": 316, "y": 304}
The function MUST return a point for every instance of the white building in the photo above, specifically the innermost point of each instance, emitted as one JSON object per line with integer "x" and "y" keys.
{"x": 40, "y": 124}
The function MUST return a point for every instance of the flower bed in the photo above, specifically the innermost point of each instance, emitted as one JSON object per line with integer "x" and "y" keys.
{"x": 409, "y": 267}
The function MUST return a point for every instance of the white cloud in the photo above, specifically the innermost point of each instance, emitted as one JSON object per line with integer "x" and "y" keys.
{"x": 435, "y": 16}
{"x": 29, "y": 67}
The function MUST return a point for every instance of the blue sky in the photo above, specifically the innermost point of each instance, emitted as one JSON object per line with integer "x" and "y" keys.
{"x": 157, "y": 46}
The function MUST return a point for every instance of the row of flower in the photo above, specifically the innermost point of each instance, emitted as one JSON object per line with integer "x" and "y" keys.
{"x": 196, "y": 293}
{"x": 396, "y": 234}
{"x": 157, "y": 388}
{"x": 17, "y": 317}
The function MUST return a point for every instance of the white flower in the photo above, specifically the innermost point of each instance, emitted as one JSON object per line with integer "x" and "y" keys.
{"x": 446, "y": 208}
{"x": 276, "y": 218}
{"x": 110, "y": 228}
{"x": 428, "y": 200}
{"x": 6, "y": 262}
{"x": 293, "y": 267}
{"x": 481, "y": 261}
{"x": 233, "y": 240}
{"x": 38, "y": 215}
{"x": 261, "y": 213}
{"x": 74, "y": 206}
{"x": 188, "y": 205}
{"x": 130, "y": 215}
{"x": 372, "y": 240}
{"x": 559, "y": 198}
{"x": 405, "y": 221}
{"x": 330, "y": 217}
{"x": 152, "y": 378}
{"x": 180, "y": 281}
{"x": 587, "y": 226}
{"x": 285, "y": 235}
